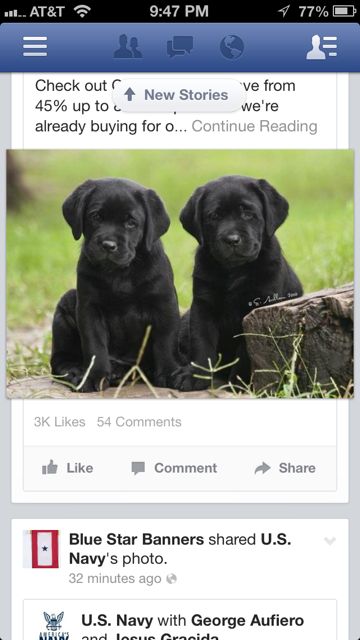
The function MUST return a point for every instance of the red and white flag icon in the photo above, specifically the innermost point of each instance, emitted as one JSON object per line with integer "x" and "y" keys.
{"x": 41, "y": 549}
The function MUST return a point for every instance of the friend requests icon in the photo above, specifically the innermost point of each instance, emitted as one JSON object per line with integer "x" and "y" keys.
{"x": 322, "y": 47}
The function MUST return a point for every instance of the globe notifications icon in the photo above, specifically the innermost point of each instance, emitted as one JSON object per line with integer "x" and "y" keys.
{"x": 231, "y": 47}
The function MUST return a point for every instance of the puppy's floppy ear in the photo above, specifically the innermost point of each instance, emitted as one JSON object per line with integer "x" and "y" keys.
{"x": 190, "y": 216}
{"x": 75, "y": 205}
{"x": 276, "y": 208}
{"x": 157, "y": 220}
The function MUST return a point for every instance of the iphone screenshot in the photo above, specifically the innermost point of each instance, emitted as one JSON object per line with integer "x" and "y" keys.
{"x": 179, "y": 417}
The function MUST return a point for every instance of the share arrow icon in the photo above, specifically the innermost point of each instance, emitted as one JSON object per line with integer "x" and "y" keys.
{"x": 263, "y": 467}
{"x": 129, "y": 93}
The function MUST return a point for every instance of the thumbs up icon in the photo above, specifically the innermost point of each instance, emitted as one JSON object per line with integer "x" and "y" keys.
{"x": 49, "y": 469}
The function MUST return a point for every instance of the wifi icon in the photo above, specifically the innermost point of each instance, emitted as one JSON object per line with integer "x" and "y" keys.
{"x": 82, "y": 10}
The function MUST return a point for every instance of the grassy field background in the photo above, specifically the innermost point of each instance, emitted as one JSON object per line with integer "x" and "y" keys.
{"x": 317, "y": 238}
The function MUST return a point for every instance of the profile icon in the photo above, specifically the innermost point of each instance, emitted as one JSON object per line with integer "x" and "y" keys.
{"x": 315, "y": 53}
{"x": 125, "y": 51}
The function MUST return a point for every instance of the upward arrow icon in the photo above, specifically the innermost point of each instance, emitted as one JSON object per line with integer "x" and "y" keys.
{"x": 129, "y": 93}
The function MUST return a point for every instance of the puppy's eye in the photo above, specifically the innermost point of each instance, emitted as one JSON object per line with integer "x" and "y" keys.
{"x": 130, "y": 224}
{"x": 214, "y": 215}
{"x": 246, "y": 215}
{"x": 96, "y": 216}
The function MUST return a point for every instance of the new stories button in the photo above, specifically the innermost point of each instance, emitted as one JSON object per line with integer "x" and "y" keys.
{"x": 186, "y": 95}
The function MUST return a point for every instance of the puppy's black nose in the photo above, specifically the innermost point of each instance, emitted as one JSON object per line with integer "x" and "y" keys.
{"x": 232, "y": 239}
{"x": 109, "y": 245}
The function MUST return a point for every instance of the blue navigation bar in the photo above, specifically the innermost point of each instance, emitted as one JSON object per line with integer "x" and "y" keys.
{"x": 175, "y": 48}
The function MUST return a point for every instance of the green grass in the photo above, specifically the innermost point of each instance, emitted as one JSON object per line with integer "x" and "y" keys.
{"x": 317, "y": 238}
{"x": 284, "y": 380}
{"x": 27, "y": 361}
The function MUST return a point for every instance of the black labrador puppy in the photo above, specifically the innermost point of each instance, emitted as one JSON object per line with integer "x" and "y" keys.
{"x": 124, "y": 283}
{"x": 238, "y": 266}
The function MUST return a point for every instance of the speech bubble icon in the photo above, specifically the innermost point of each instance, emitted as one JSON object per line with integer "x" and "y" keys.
{"x": 138, "y": 467}
{"x": 183, "y": 43}
{"x": 171, "y": 51}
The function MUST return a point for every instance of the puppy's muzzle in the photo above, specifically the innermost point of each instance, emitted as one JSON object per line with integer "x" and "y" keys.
{"x": 110, "y": 246}
{"x": 232, "y": 239}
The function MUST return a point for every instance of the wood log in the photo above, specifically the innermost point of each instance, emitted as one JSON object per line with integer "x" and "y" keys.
{"x": 304, "y": 342}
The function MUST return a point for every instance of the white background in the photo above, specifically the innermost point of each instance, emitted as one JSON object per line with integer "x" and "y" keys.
{"x": 313, "y": 567}
{"x": 296, "y": 430}
{"x": 320, "y": 98}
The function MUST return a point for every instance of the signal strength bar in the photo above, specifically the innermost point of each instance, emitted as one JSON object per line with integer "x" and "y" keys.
{"x": 13, "y": 14}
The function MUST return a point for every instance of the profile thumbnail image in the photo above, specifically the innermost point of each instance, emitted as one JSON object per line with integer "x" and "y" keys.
{"x": 41, "y": 549}
{"x": 180, "y": 274}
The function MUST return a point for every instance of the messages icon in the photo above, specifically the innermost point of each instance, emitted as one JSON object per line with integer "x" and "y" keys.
{"x": 179, "y": 45}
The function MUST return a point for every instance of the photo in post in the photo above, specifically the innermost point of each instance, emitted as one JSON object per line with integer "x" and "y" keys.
{"x": 180, "y": 274}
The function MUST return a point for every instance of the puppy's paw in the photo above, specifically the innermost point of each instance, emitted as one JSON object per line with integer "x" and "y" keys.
{"x": 73, "y": 377}
{"x": 117, "y": 376}
{"x": 239, "y": 376}
{"x": 164, "y": 377}
{"x": 184, "y": 380}
{"x": 93, "y": 384}
{"x": 160, "y": 380}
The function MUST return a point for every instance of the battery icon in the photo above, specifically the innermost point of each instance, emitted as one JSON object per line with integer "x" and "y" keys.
{"x": 344, "y": 11}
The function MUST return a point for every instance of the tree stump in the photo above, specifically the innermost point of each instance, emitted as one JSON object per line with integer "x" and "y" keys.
{"x": 303, "y": 342}
{"x": 17, "y": 191}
